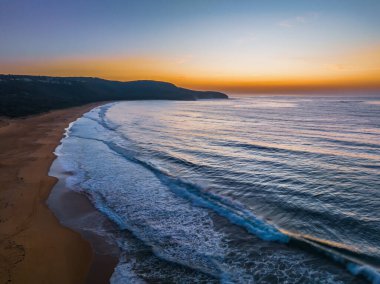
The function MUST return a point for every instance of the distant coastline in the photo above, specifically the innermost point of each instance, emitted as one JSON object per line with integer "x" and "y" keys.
{"x": 23, "y": 95}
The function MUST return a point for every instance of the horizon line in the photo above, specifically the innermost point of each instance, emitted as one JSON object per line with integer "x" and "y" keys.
{"x": 235, "y": 88}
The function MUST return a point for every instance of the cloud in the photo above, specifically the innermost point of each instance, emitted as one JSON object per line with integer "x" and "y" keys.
{"x": 298, "y": 20}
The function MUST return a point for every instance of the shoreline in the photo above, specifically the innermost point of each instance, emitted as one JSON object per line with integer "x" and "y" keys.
{"x": 34, "y": 246}
{"x": 75, "y": 211}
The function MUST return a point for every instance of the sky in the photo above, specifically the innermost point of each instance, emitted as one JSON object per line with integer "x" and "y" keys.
{"x": 236, "y": 46}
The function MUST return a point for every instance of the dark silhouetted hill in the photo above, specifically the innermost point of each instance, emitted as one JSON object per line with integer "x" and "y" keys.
{"x": 22, "y": 95}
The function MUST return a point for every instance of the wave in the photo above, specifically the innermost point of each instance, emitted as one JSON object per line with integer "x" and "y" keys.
{"x": 237, "y": 214}
{"x": 349, "y": 259}
{"x": 311, "y": 153}
{"x": 232, "y": 210}
{"x": 367, "y": 271}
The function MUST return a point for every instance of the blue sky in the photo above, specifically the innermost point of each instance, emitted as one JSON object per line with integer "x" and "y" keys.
{"x": 234, "y": 38}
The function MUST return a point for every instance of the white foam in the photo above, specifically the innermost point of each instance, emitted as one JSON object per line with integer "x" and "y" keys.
{"x": 367, "y": 271}
{"x": 137, "y": 200}
{"x": 124, "y": 274}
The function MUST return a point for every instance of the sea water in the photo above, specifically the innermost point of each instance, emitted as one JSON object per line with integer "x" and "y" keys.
{"x": 260, "y": 189}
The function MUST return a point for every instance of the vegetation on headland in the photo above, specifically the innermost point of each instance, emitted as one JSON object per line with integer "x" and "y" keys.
{"x": 22, "y": 95}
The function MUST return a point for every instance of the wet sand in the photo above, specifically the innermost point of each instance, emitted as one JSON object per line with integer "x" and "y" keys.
{"x": 34, "y": 246}
{"x": 74, "y": 210}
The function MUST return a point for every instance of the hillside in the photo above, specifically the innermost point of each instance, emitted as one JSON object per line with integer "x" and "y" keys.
{"x": 25, "y": 95}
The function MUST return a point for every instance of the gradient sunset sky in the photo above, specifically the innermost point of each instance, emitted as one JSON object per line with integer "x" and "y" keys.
{"x": 236, "y": 46}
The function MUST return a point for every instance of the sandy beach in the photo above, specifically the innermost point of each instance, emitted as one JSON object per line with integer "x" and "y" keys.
{"x": 34, "y": 246}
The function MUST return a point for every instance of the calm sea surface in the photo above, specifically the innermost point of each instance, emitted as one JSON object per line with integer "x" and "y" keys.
{"x": 252, "y": 189}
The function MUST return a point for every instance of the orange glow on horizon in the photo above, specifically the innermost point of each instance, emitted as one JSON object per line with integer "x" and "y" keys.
{"x": 355, "y": 70}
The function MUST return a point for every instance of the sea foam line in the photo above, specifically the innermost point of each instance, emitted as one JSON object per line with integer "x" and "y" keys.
{"x": 237, "y": 214}
{"x": 234, "y": 212}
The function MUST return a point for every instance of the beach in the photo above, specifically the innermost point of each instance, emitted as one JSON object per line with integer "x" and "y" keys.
{"x": 138, "y": 192}
{"x": 34, "y": 246}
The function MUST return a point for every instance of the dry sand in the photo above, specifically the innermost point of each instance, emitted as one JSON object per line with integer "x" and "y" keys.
{"x": 34, "y": 247}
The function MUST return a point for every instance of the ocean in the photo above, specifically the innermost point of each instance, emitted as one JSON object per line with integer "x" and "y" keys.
{"x": 254, "y": 189}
